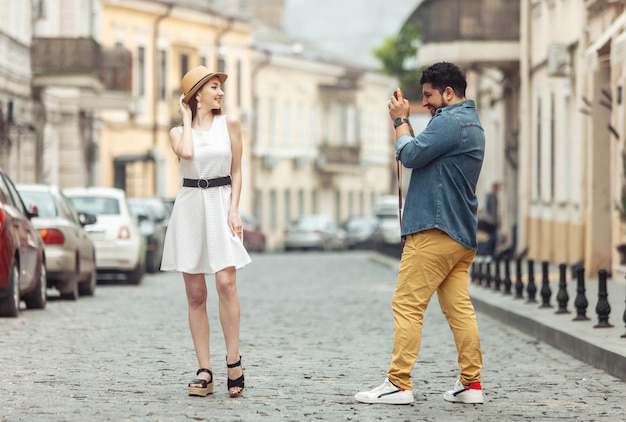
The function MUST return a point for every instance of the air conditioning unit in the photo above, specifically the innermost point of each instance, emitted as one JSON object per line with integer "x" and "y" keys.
{"x": 558, "y": 60}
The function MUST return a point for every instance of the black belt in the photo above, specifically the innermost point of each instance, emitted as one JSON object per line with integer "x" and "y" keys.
{"x": 206, "y": 183}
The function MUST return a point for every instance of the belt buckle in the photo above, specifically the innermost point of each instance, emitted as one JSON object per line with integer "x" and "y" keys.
{"x": 203, "y": 180}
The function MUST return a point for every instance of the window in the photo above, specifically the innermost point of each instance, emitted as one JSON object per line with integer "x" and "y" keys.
{"x": 258, "y": 204}
{"x": 271, "y": 115}
{"x": 350, "y": 204}
{"x": 238, "y": 76}
{"x": 538, "y": 151}
{"x": 552, "y": 146}
{"x": 162, "y": 74}
{"x": 273, "y": 219}
{"x": 300, "y": 202}
{"x": 141, "y": 71}
{"x": 314, "y": 202}
{"x": 184, "y": 65}
{"x": 287, "y": 206}
{"x": 286, "y": 123}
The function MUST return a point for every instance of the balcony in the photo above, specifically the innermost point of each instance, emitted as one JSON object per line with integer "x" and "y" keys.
{"x": 338, "y": 159}
{"x": 63, "y": 56}
{"x": 81, "y": 62}
{"x": 483, "y": 32}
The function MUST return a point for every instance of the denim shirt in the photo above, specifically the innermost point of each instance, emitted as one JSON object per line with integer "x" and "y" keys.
{"x": 446, "y": 159}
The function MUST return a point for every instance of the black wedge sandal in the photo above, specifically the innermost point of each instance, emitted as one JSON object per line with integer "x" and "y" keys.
{"x": 207, "y": 385}
{"x": 239, "y": 382}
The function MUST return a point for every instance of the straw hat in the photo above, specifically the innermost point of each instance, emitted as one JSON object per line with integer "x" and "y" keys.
{"x": 195, "y": 78}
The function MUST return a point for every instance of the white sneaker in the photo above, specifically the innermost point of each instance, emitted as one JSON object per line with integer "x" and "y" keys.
{"x": 386, "y": 393}
{"x": 472, "y": 393}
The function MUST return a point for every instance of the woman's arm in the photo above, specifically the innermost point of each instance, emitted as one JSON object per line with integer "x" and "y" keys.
{"x": 234, "y": 131}
{"x": 181, "y": 142}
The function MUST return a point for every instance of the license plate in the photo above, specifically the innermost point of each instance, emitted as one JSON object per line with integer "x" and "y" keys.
{"x": 97, "y": 235}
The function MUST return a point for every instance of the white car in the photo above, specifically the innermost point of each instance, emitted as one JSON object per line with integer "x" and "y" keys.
{"x": 120, "y": 247}
{"x": 314, "y": 232}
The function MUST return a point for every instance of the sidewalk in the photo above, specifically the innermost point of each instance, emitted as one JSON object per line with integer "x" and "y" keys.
{"x": 603, "y": 348}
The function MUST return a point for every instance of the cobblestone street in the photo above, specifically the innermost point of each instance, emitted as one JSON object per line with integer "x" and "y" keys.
{"x": 316, "y": 328}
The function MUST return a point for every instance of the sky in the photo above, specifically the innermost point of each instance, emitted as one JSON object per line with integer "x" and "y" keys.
{"x": 351, "y": 28}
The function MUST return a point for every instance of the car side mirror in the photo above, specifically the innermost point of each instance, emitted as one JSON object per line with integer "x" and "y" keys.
{"x": 86, "y": 218}
{"x": 33, "y": 211}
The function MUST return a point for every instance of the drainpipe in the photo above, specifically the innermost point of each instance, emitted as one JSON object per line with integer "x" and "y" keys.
{"x": 155, "y": 86}
{"x": 255, "y": 164}
{"x": 218, "y": 39}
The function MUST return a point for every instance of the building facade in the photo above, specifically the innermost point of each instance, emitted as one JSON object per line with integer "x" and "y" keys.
{"x": 322, "y": 141}
{"x": 551, "y": 101}
{"x": 19, "y": 145}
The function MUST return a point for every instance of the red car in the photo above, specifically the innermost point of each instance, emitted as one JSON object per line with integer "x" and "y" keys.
{"x": 22, "y": 260}
{"x": 253, "y": 236}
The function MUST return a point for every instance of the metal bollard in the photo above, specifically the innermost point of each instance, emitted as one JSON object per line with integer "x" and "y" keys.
{"x": 481, "y": 274}
{"x": 562, "y": 297}
{"x": 507, "y": 276}
{"x": 603, "y": 309}
{"x": 488, "y": 274}
{"x": 624, "y": 319}
{"x": 531, "y": 288}
{"x": 473, "y": 276}
{"x": 581, "y": 300}
{"x": 546, "y": 292}
{"x": 497, "y": 281}
{"x": 519, "y": 285}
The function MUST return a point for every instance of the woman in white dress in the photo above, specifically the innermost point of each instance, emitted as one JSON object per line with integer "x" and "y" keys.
{"x": 204, "y": 234}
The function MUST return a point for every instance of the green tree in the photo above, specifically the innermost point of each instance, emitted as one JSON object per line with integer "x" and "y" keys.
{"x": 397, "y": 55}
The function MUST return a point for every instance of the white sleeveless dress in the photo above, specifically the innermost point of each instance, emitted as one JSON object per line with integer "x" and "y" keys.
{"x": 198, "y": 239}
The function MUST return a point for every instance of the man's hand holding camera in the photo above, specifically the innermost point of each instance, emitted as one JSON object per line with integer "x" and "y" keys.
{"x": 399, "y": 110}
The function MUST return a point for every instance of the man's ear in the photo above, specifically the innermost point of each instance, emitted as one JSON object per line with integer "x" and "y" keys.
{"x": 448, "y": 94}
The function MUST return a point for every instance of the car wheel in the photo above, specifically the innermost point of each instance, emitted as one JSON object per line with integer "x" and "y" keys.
{"x": 71, "y": 290}
{"x": 88, "y": 287}
{"x": 37, "y": 298}
{"x": 135, "y": 276}
{"x": 10, "y": 305}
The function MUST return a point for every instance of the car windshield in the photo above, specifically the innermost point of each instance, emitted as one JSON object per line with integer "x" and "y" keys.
{"x": 360, "y": 223}
{"x": 43, "y": 201}
{"x": 309, "y": 223}
{"x": 98, "y": 205}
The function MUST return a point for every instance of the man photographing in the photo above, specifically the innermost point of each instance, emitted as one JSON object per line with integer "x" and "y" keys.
{"x": 439, "y": 227}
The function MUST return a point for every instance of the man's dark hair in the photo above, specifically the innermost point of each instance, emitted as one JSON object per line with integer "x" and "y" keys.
{"x": 444, "y": 74}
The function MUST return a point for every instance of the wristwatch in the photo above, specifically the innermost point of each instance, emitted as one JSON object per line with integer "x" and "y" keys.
{"x": 399, "y": 121}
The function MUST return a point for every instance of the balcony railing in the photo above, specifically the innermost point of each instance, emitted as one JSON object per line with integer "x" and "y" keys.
{"x": 476, "y": 20}
{"x": 82, "y": 56}
{"x": 340, "y": 154}
{"x": 60, "y": 56}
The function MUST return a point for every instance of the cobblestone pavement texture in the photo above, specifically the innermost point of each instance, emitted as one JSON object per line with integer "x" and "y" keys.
{"x": 316, "y": 329}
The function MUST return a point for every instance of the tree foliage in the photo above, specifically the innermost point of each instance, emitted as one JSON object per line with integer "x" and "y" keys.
{"x": 397, "y": 55}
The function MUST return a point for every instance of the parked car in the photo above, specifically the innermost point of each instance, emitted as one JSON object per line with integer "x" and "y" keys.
{"x": 22, "y": 255}
{"x": 153, "y": 230}
{"x": 169, "y": 203}
{"x": 159, "y": 208}
{"x": 359, "y": 231}
{"x": 314, "y": 232}
{"x": 120, "y": 247}
{"x": 253, "y": 236}
{"x": 387, "y": 213}
{"x": 70, "y": 252}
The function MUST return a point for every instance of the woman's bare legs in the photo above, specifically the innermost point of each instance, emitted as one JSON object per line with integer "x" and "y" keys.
{"x": 226, "y": 284}
{"x": 195, "y": 287}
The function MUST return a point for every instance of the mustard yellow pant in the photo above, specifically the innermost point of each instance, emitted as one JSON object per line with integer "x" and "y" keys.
{"x": 431, "y": 261}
